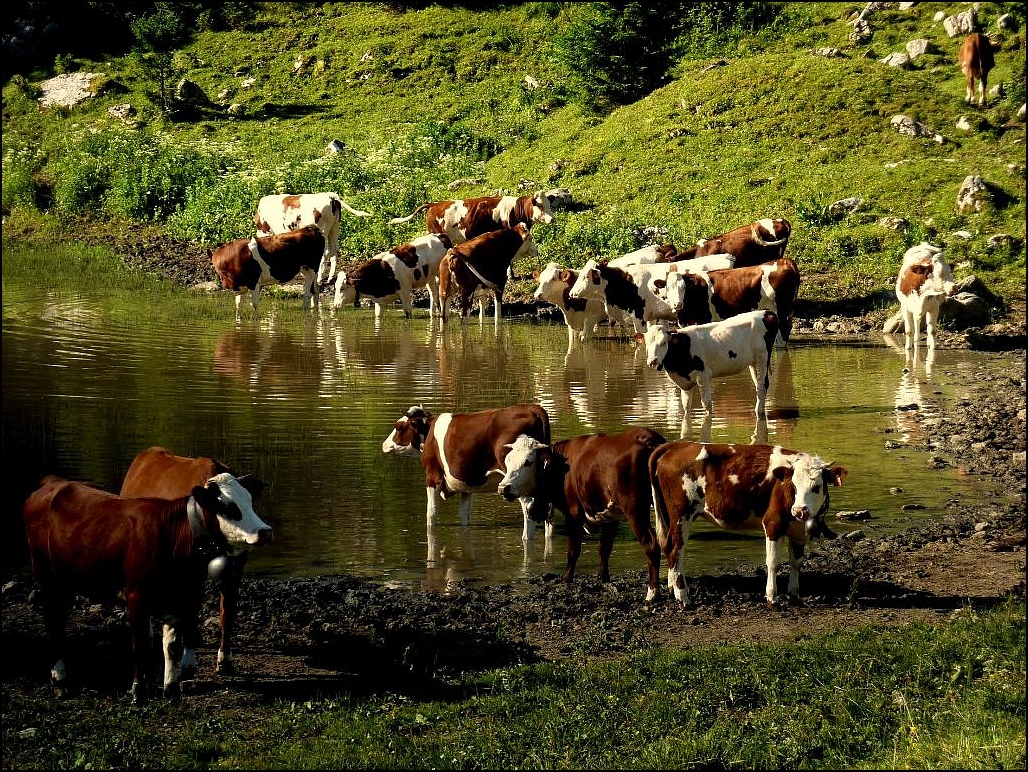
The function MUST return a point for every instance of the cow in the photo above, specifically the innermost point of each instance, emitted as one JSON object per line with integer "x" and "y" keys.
{"x": 693, "y": 356}
{"x": 976, "y": 60}
{"x": 286, "y": 212}
{"x": 740, "y": 488}
{"x": 630, "y": 291}
{"x": 924, "y": 280}
{"x": 596, "y": 480}
{"x": 158, "y": 473}
{"x": 482, "y": 262}
{"x": 580, "y": 315}
{"x": 759, "y": 242}
{"x": 83, "y": 540}
{"x": 246, "y": 265}
{"x": 464, "y": 218}
{"x": 394, "y": 275}
{"x": 654, "y": 253}
{"x": 710, "y": 296}
{"x": 466, "y": 453}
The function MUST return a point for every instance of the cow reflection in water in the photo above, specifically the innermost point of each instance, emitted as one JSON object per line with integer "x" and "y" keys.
{"x": 916, "y": 381}
{"x": 271, "y": 360}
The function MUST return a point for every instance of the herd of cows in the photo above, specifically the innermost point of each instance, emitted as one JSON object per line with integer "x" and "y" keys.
{"x": 714, "y": 309}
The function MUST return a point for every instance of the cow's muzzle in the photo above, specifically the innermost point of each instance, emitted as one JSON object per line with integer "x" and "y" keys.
{"x": 507, "y": 491}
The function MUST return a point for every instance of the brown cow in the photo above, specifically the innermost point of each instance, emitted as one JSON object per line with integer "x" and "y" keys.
{"x": 465, "y": 453}
{"x": 596, "y": 480}
{"x": 482, "y": 262}
{"x": 83, "y": 540}
{"x": 246, "y": 265}
{"x": 976, "y": 60}
{"x": 740, "y": 487}
{"x": 702, "y": 297}
{"x": 465, "y": 218}
{"x": 753, "y": 244}
{"x": 158, "y": 473}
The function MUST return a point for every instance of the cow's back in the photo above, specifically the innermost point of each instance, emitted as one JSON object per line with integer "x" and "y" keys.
{"x": 160, "y": 473}
{"x": 602, "y": 466}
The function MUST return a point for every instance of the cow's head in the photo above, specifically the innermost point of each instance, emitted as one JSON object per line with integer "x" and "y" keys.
{"x": 228, "y": 499}
{"x": 553, "y": 283}
{"x": 409, "y": 433}
{"x": 523, "y": 463}
{"x": 541, "y": 208}
{"x": 528, "y": 247}
{"x": 804, "y": 483}
{"x": 656, "y": 340}
{"x": 590, "y": 282}
{"x": 345, "y": 291}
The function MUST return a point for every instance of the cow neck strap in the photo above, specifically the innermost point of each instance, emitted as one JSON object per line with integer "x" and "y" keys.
{"x": 254, "y": 250}
{"x": 481, "y": 278}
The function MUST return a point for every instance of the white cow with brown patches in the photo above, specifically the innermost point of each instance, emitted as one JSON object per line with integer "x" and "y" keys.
{"x": 783, "y": 492}
{"x": 924, "y": 281}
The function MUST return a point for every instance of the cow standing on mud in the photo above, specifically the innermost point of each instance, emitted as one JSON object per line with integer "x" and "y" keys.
{"x": 83, "y": 540}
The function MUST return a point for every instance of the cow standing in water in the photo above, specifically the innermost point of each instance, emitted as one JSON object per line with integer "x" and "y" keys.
{"x": 158, "y": 473}
{"x": 83, "y": 540}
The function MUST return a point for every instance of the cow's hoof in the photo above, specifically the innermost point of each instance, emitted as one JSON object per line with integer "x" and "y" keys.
{"x": 60, "y": 689}
{"x": 188, "y": 674}
{"x": 173, "y": 691}
{"x": 226, "y": 668}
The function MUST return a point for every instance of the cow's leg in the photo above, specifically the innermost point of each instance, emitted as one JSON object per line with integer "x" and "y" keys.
{"x": 758, "y": 373}
{"x": 407, "y": 303}
{"x": 378, "y": 311}
{"x": 241, "y": 297}
{"x": 139, "y": 624}
{"x": 647, "y": 537}
{"x": 173, "y": 650}
{"x": 310, "y": 288}
{"x": 575, "y": 535}
{"x": 432, "y": 508}
{"x": 931, "y": 311}
{"x": 706, "y": 386}
{"x": 464, "y": 508}
{"x": 908, "y": 329}
{"x": 497, "y": 307}
{"x": 676, "y": 542}
{"x": 228, "y": 585}
{"x": 608, "y": 531}
{"x": 771, "y": 591}
{"x": 56, "y": 610}
{"x": 982, "y": 88}
{"x": 255, "y": 298}
{"x": 969, "y": 94}
{"x": 796, "y": 562}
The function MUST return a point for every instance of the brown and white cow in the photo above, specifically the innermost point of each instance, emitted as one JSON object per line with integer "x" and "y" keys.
{"x": 630, "y": 291}
{"x": 158, "y": 473}
{"x": 286, "y": 212}
{"x": 246, "y": 265}
{"x": 596, "y": 480}
{"x": 580, "y": 315}
{"x": 482, "y": 262}
{"x": 466, "y": 453}
{"x": 976, "y": 60}
{"x": 394, "y": 275}
{"x": 653, "y": 253}
{"x": 759, "y": 242}
{"x": 85, "y": 541}
{"x": 692, "y": 357}
{"x": 740, "y": 487}
{"x": 923, "y": 282}
{"x": 710, "y": 296}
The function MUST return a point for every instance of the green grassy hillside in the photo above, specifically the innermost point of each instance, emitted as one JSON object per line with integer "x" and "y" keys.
{"x": 425, "y": 96}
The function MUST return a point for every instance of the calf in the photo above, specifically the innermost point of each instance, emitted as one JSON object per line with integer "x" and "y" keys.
{"x": 394, "y": 275}
{"x": 702, "y": 297}
{"x": 158, "y": 473}
{"x": 654, "y": 253}
{"x": 283, "y": 213}
{"x": 923, "y": 282}
{"x": 466, "y": 453}
{"x": 632, "y": 290}
{"x": 482, "y": 262}
{"x": 580, "y": 315}
{"x": 753, "y": 244}
{"x": 976, "y": 61}
{"x": 692, "y": 357}
{"x": 85, "y": 541}
{"x": 246, "y": 265}
{"x": 596, "y": 480}
{"x": 740, "y": 487}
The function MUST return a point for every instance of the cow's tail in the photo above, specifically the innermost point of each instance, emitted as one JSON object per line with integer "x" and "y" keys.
{"x": 757, "y": 238}
{"x": 661, "y": 520}
{"x": 408, "y": 218}
{"x": 771, "y": 322}
{"x": 351, "y": 210}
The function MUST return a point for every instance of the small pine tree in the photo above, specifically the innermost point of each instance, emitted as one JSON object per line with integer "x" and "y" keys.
{"x": 157, "y": 35}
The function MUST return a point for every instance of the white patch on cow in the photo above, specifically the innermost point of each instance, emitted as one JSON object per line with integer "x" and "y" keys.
{"x": 767, "y": 224}
{"x": 702, "y": 455}
{"x": 733, "y": 479}
{"x": 266, "y": 277}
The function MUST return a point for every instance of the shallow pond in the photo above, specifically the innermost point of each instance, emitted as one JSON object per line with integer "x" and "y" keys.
{"x": 304, "y": 401}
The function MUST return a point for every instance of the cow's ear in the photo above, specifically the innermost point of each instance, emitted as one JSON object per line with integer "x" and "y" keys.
{"x": 659, "y": 283}
{"x": 535, "y": 275}
{"x": 835, "y": 475}
{"x": 639, "y": 337}
{"x": 210, "y": 255}
{"x": 253, "y": 484}
{"x": 782, "y": 473}
{"x": 207, "y": 495}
